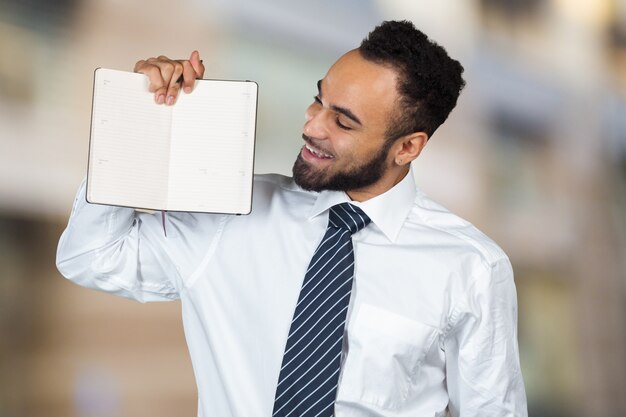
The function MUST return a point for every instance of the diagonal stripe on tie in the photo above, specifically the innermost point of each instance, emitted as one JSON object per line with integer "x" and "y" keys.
{"x": 307, "y": 385}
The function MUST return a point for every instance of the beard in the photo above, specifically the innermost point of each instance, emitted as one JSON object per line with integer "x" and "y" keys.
{"x": 361, "y": 175}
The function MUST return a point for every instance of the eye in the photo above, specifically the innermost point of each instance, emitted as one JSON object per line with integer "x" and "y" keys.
{"x": 317, "y": 99}
{"x": 341, "y": 125}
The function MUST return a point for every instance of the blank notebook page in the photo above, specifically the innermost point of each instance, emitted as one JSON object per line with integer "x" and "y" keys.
{"x": 194, "y": 156}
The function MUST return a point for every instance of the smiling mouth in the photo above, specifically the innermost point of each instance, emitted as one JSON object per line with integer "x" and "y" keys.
{"x": 318, "y": 153}
{"x": 315, "y": 151}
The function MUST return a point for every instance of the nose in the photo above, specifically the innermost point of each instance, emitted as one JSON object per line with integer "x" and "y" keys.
{"x": 315, "y": 125}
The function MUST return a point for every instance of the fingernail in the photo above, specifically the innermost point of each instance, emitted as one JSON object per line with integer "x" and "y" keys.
{"x": 170, "y": 100}
{"x": 187, "y": 90}
{"x": 161, "y": 99}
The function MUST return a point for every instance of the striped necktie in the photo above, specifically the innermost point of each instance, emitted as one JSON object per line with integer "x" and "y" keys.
{"x": 307, "y": 384}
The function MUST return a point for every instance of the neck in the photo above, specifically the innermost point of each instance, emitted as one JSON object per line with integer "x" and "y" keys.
{"x": 386, "y": 183}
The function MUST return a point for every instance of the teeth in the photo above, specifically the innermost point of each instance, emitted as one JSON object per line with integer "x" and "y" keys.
{"x": 317, "y": 153}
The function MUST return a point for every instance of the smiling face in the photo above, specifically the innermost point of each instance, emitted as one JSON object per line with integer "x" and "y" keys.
{"x": 345, "y": 130}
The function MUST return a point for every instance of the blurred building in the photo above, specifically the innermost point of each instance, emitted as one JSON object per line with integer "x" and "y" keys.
{"x": 534, "y": 155}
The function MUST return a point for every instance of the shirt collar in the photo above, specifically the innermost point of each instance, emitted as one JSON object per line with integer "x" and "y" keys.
{"x": 387, "y": 211}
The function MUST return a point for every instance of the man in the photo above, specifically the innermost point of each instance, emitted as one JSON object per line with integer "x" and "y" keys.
{"x": 387, "y": 306}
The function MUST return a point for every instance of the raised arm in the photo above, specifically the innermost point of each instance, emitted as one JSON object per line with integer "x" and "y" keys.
{"x": 124, "y": 252}
{"x": 116, "y": 250}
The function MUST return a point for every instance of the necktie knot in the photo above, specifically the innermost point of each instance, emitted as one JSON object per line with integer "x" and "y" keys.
{"x": 348, "y": 217}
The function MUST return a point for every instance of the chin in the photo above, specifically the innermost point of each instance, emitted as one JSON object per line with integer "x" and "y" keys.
{"x": 306, "y": 177}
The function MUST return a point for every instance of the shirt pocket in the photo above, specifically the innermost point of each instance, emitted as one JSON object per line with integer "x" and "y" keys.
{"x": 386, "y": 351}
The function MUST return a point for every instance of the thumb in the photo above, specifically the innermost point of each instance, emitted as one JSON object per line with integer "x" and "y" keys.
{"x": 196, "y": 63}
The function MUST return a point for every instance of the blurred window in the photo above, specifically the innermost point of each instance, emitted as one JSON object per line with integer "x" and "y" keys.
{"x": 617, "y": 27}
{"x": 513, "y": 9}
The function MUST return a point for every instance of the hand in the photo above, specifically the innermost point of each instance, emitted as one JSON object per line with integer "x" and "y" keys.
{"x": 164, "y": 75}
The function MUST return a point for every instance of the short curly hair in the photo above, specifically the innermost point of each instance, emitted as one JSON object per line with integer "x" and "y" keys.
{"x": 429, "y": 80}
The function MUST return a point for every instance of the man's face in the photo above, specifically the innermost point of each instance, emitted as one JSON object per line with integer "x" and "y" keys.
{"x": 345, "y": 143}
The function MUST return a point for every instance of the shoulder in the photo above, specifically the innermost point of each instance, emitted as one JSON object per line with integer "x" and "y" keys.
{"x": 454, "y": 232}
{"x": 272, "y": 190}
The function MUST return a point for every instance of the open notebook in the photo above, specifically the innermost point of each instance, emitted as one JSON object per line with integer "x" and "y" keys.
{"x": 196, "y": 155}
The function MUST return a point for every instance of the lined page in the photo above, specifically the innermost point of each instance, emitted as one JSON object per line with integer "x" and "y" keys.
{"x": 130, "y": 142}
{"x": 212, "y": 148}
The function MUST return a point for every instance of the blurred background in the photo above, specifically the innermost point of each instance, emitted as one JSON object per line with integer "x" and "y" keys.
{"x": 534, "y": 155}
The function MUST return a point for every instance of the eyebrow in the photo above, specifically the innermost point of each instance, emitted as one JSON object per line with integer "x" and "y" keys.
{"x": 339, "y": 109}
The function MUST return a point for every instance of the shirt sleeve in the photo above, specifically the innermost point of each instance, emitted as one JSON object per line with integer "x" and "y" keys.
{"x": 126, "y": 253}
{"x": 482, "y": 357}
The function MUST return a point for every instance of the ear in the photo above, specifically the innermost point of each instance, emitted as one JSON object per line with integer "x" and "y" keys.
{"x": 408, "y": 147}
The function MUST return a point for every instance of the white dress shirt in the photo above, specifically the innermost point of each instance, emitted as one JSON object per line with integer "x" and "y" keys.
{"x": 432, "y": 318}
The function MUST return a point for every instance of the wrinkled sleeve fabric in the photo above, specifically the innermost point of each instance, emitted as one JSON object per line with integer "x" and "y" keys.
{"x": 482, "y": 358}
{"x": 124, "y": 252}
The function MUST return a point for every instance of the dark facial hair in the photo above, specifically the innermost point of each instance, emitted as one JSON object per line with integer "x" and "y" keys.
{"x": 363, "y": 175}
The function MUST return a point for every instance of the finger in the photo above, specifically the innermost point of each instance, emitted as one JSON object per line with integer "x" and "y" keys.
{"x": 172, "y": 93}
{"x": 189, "y": 76}
{"x": 196, "y": 63}
{"x": 138, "y": 65}
{"x": 170, "y": 72}
{"x": 167, "y": 67}
{"x": 175, "y": 84}
{"x": 156, "y": 83}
